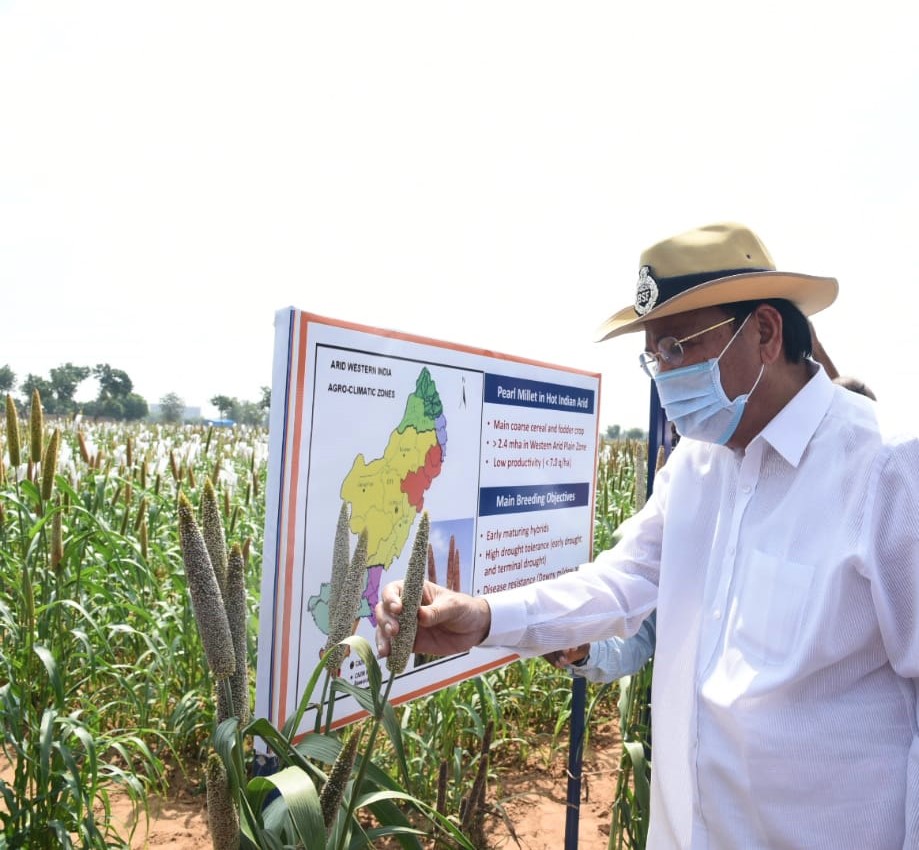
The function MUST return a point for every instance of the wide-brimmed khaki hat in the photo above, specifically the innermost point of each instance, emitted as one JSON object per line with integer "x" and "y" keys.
{"x": 712, "y": 265}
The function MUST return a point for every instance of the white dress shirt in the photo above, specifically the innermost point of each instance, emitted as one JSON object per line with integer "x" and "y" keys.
{"x": 786, "y": 576}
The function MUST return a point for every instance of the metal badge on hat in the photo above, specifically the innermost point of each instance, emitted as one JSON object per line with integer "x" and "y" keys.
{"x": 647, "y": 293}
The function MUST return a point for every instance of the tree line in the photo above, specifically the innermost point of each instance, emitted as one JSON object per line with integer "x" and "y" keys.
{"x": 244, "y": 412}
{"x": 116, "y": 398}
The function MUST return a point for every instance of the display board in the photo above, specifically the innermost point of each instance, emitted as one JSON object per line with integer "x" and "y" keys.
{"x": 500, "y": 451}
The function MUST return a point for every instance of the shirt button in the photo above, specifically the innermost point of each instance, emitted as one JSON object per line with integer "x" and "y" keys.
{"x": 717, "y": 613}
{"x": 747, "y": 488}
{"x": 731, "y": 550}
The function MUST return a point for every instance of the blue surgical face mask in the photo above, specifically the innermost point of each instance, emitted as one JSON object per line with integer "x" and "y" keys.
{"x": 695, "y": 401}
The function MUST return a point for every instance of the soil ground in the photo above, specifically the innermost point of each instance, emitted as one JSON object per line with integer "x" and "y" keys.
{"x": 534, "y": 799}
{"x": 527, "y": 805}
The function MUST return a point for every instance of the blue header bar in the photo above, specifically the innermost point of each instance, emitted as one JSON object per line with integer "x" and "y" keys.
{"x": 533, "y": 497}
{"x": 520, "y": 392}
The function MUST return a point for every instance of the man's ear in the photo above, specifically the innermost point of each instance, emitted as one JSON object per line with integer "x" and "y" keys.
{"x": 769, "y": 326}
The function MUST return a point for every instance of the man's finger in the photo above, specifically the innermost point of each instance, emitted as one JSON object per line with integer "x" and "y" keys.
{"x": 392, "y": 598}
{"x": 429, "y": 615}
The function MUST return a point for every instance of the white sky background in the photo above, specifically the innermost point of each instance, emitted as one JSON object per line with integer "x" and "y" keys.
{"x": 478, "y": 172}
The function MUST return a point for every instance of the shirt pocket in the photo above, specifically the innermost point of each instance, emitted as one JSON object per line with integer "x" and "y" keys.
{"x": 770, "y": 606}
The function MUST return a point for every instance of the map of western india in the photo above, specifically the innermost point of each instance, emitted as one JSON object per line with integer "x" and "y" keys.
{"x": 386, "y": 493}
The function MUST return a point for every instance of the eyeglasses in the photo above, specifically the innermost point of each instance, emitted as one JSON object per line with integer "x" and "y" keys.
{"x": 670, "y": 351}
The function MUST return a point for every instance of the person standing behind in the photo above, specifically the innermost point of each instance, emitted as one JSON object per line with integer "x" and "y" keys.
{"x": 610, "y": 659}
{"x": 781, "y": 549}
{"x": 856, "y": 385}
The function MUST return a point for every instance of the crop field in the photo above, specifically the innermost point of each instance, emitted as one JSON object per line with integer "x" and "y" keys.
{"x": 113, "y": 681}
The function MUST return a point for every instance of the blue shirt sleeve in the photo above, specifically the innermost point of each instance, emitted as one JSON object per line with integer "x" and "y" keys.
{"x": 612, "y": 659}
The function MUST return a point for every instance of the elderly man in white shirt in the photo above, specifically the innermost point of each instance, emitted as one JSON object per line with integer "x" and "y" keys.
{"x": 781, "y": 548}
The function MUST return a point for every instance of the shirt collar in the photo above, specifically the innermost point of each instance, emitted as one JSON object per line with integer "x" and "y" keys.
{"x": 791, "y": 429}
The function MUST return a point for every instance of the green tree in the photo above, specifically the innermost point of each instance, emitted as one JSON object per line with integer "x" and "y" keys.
{"x": 171, "y": 408}
{"x": 613, "y": 432}
{"x": 241, "y": 411}
{"x": 113, "y": 383}
{"x": 34, "y": 382}
{"x": 249, "y": 413}
{"x": 7, "y": 379}
{"x": 130, "y": 407}
{"x": 134, "y": 407}
{"x": 104, "y": 408}
{"x": 64, "y": 382}
{"x": 227, "y": 405}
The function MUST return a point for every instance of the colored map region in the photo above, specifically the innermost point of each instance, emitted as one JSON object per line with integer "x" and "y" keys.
{"x": 385, "y": 494}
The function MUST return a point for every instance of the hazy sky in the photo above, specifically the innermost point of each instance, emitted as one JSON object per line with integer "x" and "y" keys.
{"x": 478, "y": 172}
